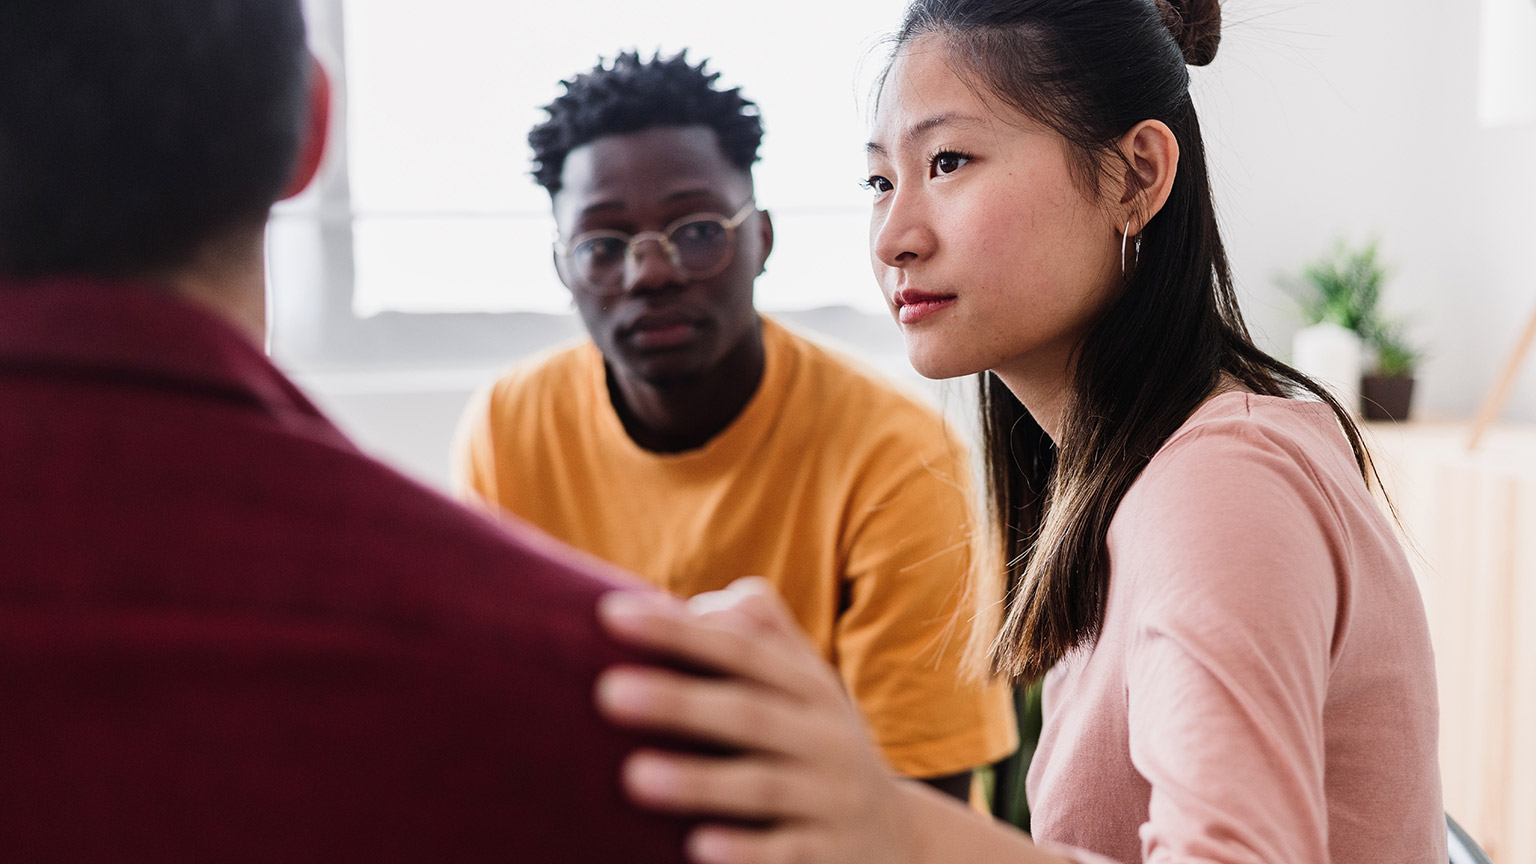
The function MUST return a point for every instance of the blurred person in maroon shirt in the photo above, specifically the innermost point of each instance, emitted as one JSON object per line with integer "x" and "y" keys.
{"x": 225, "y": 634}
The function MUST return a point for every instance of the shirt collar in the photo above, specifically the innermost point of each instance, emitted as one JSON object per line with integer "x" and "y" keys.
{"x": 92, "y": 327}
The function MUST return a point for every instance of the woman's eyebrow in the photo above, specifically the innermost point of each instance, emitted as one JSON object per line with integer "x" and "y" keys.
{"x": 922, "y": 128}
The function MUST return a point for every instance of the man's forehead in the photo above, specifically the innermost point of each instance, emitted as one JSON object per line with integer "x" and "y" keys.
{"x": 653, "y": 164}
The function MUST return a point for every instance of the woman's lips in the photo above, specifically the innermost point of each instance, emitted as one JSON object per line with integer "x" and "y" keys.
{"x": 915, "y": 306}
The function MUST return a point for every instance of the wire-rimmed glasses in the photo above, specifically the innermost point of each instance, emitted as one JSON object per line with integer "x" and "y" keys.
{"x": 698, "y": 246}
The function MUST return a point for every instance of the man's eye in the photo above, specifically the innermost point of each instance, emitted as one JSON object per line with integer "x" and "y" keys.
{"x": 602, "y": 249}
{"x": 703, "y": 231}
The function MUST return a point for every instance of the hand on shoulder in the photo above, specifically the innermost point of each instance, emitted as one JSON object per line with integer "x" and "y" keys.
{"x": 799, "y": 763}
{"x": 800, "y": 780}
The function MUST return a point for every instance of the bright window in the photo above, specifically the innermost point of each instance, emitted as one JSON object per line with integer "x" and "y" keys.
{"x": 435, "y": 202}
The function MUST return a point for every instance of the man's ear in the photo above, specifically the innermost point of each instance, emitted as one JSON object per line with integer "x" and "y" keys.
{"x": 316, "y": 131}
{"x": 1152, "y": 156}
{"x": 765, "y": 237}
{"x": 559, "y": 261}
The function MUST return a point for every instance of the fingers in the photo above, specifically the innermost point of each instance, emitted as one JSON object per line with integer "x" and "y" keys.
{"x": 753, "y": 788}
{"x": 755, "y": 600}
{"x": 722, "y": 844}
{"x": 723, "y": 711}
{"x": 720, "y": 642}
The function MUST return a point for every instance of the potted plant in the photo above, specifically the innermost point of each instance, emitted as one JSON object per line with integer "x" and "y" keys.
{"x": 1343, "y": 287}
{"x": 1387, "y": 392}
{"x": 1338, "y": 294}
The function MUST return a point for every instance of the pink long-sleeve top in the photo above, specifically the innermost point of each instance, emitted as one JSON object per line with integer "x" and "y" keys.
{"x": 1263, "y": 687}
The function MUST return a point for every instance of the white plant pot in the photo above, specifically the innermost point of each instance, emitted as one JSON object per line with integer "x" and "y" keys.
{"x": 1332, "y": 356}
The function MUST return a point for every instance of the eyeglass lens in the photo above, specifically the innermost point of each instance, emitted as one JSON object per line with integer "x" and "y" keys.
{"x": 695, "y": 248}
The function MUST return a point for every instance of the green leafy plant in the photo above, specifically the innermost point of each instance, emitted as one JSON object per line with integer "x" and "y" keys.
{"x": 1396, "y": 357}
{"x": 1342, "y": 287}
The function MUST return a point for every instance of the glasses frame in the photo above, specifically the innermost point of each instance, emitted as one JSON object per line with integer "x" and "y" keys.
{"x": 663, "y": 238}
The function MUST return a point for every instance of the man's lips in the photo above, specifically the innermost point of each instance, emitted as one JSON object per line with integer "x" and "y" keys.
{"x": 913, "y": 306}
{"x": 661, "y": 330}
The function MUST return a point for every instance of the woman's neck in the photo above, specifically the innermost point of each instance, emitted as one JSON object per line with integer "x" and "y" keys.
{"x": 1044, "y": 385}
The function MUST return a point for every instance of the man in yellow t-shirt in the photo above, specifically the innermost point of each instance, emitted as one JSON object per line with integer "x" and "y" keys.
{"x": 693, "y": 441}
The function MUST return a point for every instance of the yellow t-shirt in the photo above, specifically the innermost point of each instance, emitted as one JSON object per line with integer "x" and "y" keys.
{"x": 850, "y": 496}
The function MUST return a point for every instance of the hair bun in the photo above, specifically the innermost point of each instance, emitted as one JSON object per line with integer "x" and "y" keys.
{"x": 1196, "y": 26}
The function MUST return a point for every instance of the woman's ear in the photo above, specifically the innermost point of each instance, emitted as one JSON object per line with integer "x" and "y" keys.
{"x": 311, "y": 153}
{"x": 1152, "y": 162}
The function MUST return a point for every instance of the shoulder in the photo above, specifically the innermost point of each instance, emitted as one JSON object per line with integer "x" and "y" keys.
{"x": 847, "y": 395}
{"x": 1263, "y": 450}
{"x": 487, "y": 630}
{"x": 436, "y": 549}
{"x": 1246, "y": 501}
{"x": 542, "y": 389}
{"x": 558, "y": 371}
{"x": 896, "y": 458}
{"x": 511, "y": 416}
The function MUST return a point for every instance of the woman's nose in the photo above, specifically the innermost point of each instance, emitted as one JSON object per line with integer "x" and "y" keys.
{"x": 900, "y": 233}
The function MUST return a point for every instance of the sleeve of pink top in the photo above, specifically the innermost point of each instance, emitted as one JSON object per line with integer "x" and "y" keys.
{"x": 1076, "y": 856}
{"x": 1234, "y": 598}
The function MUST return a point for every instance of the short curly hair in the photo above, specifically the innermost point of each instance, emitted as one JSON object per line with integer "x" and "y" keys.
{"x": 632, "y": 95}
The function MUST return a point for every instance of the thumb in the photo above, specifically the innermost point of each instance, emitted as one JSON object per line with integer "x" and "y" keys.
{"x": 752, "y": 599}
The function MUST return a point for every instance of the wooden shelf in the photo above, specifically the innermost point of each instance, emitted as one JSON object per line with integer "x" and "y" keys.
{"x": 1469, "y": 518}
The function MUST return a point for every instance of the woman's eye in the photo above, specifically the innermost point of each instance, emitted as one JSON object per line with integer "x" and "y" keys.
{"x": 949, "y": 162}
{"x": 877, "y": 184}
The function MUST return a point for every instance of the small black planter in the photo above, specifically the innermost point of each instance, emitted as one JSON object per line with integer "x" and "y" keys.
{"x": 1384, "y": 398}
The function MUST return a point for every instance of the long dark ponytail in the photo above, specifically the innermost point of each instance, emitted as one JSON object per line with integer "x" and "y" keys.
{"x": 1091, "y": 70}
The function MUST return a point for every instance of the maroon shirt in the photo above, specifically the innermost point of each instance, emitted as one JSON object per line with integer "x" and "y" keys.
{"x": 225, "y": 634}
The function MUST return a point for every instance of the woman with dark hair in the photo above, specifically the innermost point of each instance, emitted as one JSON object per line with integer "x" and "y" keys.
{"x": 1236, "y": 661}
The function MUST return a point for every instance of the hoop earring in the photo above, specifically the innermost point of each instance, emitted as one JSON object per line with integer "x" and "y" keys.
{"x": 1125, "y": 237}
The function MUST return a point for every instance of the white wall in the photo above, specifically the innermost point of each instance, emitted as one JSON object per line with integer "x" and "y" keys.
{"x": 1359, "y": 118}
{"x": 1323, "y": 118}
{"x": 406, "y": 420}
